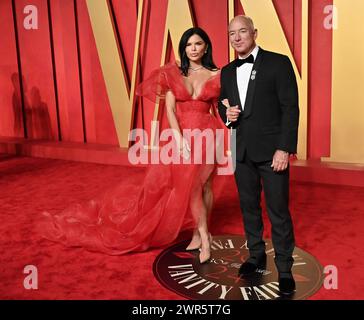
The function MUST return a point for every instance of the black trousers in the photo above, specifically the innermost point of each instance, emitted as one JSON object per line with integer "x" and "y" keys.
{"x": 250, "y": 177}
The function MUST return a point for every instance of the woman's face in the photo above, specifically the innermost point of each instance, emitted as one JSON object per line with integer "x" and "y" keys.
{"x": 195, "y": 48}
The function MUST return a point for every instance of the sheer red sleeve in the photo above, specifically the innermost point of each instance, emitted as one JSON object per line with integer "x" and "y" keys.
{"x": 157, "y": 84}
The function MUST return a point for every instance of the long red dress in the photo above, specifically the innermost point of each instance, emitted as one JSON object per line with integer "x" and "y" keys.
{"x": 125, "y": 221}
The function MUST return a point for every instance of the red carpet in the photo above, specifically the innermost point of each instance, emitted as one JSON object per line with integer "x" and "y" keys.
{"x": 328, "y": 224}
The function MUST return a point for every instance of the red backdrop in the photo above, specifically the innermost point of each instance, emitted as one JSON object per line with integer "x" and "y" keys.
{"x": 52, "y": 85}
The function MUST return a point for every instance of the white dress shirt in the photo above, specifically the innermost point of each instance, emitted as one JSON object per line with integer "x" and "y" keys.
{"x": 242, "y": 77}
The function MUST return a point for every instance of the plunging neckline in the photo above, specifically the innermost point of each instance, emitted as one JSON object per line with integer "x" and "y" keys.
{"x": 202, "y": 86}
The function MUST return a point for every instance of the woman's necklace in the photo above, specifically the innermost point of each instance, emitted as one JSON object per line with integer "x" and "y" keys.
{"x": 196, "y": 69}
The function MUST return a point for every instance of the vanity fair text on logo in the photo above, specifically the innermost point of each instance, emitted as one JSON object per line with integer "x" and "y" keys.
{"x": 181, "y": 272}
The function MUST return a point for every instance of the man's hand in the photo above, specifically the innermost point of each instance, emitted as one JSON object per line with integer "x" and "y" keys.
{"x": 232, "y": 113}
{"x": 280, "y": 160}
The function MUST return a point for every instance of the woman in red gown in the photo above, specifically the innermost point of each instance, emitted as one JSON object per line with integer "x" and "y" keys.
{"x": 173, "y": 197}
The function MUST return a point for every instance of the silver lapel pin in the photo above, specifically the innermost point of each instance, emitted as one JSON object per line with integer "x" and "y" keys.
{"x": 254, "y": 72}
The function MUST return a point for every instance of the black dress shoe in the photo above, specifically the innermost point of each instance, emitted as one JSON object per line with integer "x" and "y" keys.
{"x": 249, "y": 267}
{"x": 287, "y": 285}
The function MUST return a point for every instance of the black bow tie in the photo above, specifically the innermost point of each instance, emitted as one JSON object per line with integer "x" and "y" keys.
{"x": 240, "y": 62}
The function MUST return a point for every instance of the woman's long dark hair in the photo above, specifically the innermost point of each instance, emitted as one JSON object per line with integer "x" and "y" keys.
{"x": 207, "y": 60}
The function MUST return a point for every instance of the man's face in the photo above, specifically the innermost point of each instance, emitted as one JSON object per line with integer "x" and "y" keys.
{"x": 241, "y": 36}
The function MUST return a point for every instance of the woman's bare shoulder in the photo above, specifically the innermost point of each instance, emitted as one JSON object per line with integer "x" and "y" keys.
{"x": 215, "y": 72}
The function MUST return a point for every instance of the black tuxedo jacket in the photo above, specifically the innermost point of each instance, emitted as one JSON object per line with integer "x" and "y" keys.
{"x": 270, "y": 117}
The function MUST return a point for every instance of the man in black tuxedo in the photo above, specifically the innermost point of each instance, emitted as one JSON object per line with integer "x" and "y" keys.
{"x": 259, "y": 98}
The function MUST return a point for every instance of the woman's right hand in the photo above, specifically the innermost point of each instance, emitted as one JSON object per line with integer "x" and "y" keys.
{"x": 184, "y": 149}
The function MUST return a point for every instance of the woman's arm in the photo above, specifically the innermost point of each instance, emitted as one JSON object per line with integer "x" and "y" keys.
{"x": 182, "y": 144}
{"x": 171, "y": 112}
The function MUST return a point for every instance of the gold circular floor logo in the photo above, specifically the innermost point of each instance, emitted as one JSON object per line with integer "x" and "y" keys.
{"x": 180, "y": 271}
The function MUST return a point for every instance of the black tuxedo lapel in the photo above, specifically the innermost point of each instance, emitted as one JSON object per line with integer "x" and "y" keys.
{"x": 251, "y": 86}
{"x": 234, "y": 88}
